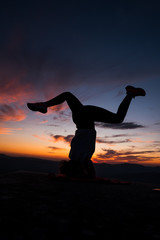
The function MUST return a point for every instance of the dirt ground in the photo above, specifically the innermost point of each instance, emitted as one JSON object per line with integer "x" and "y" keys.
{"x": 34, "y": 207}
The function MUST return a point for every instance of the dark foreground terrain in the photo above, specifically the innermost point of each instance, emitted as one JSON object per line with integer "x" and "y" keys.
{"x": 125, "y": 171}
{"x": 32, "y": 206}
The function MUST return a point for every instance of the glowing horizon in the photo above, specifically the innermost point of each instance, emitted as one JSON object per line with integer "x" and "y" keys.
{"x": 129, "y": 146}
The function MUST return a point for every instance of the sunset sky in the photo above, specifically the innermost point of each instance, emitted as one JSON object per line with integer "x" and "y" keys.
{"x": 92, "y": 49}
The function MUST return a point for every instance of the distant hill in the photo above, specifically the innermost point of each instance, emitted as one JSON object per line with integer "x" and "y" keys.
{"x": 129, "y": 172}
{"x": 10, "y": 164}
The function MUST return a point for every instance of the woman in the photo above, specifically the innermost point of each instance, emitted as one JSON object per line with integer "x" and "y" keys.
{"x": 85, "y": 116}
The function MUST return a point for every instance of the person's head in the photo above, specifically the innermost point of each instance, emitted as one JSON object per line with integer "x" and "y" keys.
{"x": 72, "y": 169}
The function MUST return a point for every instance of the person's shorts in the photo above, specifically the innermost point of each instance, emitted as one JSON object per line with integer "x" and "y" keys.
{"x": 83, "y": 145}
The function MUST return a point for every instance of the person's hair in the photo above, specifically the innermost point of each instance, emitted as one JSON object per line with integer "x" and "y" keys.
{"x": 71, "y": 169}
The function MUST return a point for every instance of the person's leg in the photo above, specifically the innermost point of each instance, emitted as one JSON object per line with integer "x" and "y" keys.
{"x": 98, "y": 114}
{"x": 73, "y": 103}
{"x": 79, "y": 115}
{"x": 90, "y": 113}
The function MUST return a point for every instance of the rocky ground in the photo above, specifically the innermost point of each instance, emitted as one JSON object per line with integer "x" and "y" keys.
{"x": 32, "y": 206}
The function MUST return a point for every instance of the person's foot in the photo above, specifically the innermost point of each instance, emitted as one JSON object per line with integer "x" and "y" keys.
{"x": 40, "y": 107}
{"x": 135, "y": 91}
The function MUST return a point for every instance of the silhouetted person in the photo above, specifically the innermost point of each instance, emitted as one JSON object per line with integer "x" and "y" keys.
{"x": 85, "y": 116}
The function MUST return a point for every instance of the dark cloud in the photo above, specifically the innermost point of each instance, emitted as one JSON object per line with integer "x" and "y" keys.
{"x": 102, "y": 140}
{"x": 63, "y": 115}
{"x": 119, "y": 135}
{"x": 53, "y": 149}
{"x": 130, "y": 156}
{"x": 53, "y": 125}
{"x": 157, "y": 123}
{"x": 109, "y": 153}
{"x": 128, "y": 152}
{"x": 125, "y": 125}
{"x": 66, "y": 139}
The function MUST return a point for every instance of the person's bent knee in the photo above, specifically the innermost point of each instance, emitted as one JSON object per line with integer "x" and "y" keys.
{"x": 68, "y": 95}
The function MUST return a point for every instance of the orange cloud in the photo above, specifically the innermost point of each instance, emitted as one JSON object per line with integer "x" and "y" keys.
{"x": 138, "y": 140}
{"x": 113, "y": 156}
{"x": 8, "y": 130}
{"x": 13, "y": 85}
{"x": 43, "y": 138}
{"x": 43, "y": 121}
{"x": 9, "y": 113}
{"x": 14, "y": 93}
{"x": 57, "y": 138}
